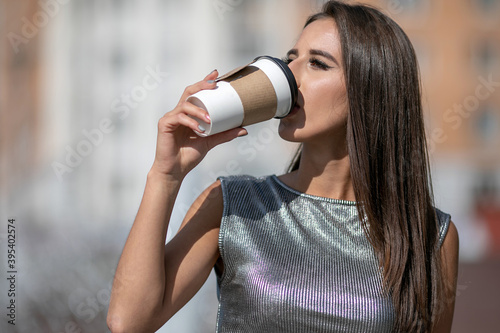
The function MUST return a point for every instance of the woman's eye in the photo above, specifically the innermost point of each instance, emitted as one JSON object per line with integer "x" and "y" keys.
{"x": 313, "y": 61}
{"x": 320, "y": 64}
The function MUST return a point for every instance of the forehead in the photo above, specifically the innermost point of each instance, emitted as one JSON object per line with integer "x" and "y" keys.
{"x": 322, "y": 35}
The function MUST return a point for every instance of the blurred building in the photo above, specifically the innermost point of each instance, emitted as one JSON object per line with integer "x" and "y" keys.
{"x": 19, "y": 99}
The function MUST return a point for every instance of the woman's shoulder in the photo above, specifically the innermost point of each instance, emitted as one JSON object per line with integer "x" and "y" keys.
{"x": 248, "y": 189}
{"x": 444, "y": 222}
{"x": 242, "y": 181}
{"x": 243, "y": 178}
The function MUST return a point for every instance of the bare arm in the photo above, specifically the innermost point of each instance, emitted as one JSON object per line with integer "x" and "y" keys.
{"x": 193, "y": 252}
{"x": 449, "y": 259}
{"x": 154, "y": 280}
{"x": 139, "y": 277}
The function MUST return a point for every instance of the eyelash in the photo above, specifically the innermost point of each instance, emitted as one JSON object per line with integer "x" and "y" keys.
{"x": 319, "y": 63}
{"x": 316, "y": 62}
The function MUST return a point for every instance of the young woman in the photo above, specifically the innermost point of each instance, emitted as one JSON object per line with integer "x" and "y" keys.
{"x": 348, "y": 241}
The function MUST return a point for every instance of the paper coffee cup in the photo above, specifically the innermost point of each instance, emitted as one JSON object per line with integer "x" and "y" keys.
{"x": 259, "y": 91}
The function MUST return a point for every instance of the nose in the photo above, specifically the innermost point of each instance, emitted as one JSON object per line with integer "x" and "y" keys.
{"x": 295, "y": 71}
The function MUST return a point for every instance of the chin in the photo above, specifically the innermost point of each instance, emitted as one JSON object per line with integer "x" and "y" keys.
{"x": 288, "y": 133}
{"x": 294, "y": 135}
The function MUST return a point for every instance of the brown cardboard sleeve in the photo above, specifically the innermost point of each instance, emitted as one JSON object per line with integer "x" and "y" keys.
{"x": 256, "y": 92}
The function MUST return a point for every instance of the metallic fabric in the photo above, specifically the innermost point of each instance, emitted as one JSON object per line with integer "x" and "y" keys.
{"x": 296, "y": 263}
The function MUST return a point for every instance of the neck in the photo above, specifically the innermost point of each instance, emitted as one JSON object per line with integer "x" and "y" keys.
{"x": 324, "y": 172}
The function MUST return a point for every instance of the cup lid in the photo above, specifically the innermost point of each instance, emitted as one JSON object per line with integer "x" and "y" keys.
{"x": 292, "y": 83}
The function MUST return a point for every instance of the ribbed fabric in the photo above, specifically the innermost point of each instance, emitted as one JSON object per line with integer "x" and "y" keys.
{"x": 297, "y": 263}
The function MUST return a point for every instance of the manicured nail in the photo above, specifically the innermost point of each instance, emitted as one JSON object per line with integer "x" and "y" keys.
{"x": 243, "y": 132}
{"x": 208, "y": 117}
{"x": 201, "y": 129}
{"x": 210, "y": 81}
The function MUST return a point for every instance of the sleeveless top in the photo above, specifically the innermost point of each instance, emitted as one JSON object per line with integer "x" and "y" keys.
{"x": 295, "y": 262}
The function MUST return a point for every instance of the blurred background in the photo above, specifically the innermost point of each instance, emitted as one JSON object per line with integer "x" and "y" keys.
{"x": 83, "y": 84}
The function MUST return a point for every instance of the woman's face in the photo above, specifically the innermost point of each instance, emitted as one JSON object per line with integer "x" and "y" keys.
{"x": 321, "y": 110}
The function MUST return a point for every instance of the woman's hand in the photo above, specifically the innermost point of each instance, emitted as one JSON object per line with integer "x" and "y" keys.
{"x": 178, "y": 148}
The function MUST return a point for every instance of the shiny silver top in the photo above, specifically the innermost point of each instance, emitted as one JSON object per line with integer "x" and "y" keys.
{"x": 295, "y": 262}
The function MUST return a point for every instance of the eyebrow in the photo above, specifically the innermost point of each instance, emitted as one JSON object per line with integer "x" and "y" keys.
{"x": 325, "y": 54}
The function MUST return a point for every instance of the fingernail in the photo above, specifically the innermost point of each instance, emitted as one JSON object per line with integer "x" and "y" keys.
{"x": 242, "y": 133}
{"x": 208, "y": 117}
{"x": 201, "y": 129}
{"x": 210, "y": 81}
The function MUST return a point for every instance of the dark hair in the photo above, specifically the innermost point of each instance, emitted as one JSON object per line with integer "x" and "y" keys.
{"x": 389, "y": 159}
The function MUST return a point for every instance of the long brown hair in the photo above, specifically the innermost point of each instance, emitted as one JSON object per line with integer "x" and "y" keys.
{"x": 389, "y": 159}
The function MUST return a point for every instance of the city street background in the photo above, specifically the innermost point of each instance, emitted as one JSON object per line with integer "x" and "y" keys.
{"x": 83, "y": 84}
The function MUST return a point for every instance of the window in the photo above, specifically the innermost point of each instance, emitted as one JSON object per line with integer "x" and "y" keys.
{"x": 488, "y": 6}
{"x": 487, "y": 125}
{"x": 486, "y": 55}
{"x": 397, "y": 7}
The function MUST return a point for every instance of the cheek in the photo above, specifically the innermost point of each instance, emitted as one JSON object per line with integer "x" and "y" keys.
{"x": 320, "y": 90}
{"x": 328, "y": 98}
{"x": 330, "y": 108}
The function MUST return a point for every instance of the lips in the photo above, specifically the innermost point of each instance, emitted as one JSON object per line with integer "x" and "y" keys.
{"x": 294, "y": 110}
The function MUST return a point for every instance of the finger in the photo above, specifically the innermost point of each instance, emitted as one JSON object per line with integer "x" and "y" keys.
{"x": 212, "y": 76}
{"x": 193, "y": 111}
{"x": 207, "y": 83}
{"x": 189, "y": 122}
{"x": 225, "y": 136}
{"x": 186, "y": 116}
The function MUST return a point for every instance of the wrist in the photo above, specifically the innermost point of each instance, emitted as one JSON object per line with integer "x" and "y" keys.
{"x": 164, "y": 178}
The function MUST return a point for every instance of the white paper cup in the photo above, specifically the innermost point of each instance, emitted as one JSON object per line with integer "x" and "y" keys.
{"x": 256, "y": 92}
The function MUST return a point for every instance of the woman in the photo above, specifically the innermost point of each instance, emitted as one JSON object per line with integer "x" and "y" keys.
{"x": 348, "y": 241}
